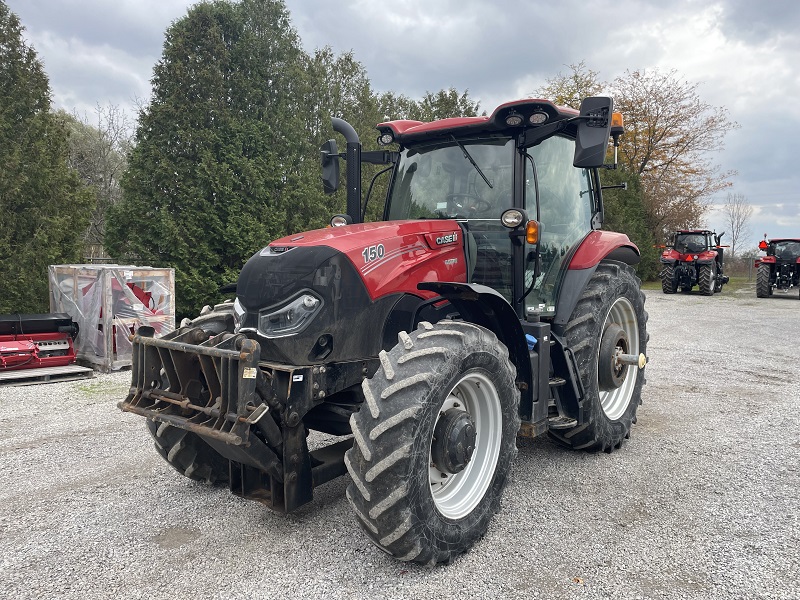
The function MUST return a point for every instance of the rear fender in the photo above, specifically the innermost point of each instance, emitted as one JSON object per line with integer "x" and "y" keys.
{"x": 705, "y": 258}
{"x": 597, "y": 246}
{"x": 670, "y": 256}
{"x": 484, "y": 306}
{"x": 604, "y": 245}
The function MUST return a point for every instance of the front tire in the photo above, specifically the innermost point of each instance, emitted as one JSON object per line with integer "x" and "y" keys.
{"x": 612, "y": 300}
{"x": 434, "y": 442}
{"x": 185, "y": 451}
{"x": 188, "y": 454}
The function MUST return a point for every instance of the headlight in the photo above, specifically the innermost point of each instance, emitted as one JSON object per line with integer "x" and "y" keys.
{"x": 289, "y": 319}
{"x": 238, "y": 315}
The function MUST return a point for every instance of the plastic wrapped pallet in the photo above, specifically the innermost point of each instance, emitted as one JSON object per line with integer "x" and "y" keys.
{"x": 109, "y": 303}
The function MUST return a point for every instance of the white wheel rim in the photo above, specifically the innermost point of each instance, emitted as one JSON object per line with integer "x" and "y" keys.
{"x": 615, "y": 402}
{"x": 457, "y": 494}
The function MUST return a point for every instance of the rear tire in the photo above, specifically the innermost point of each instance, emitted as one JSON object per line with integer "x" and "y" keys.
{"x": 417, "y": 497}
{"x": 612, "y": 298}
{"x": 188, "y": 454}
{"x": 669, "y": 284}
{"x": 763, "y": 289}
{"x": 706, "y": 279}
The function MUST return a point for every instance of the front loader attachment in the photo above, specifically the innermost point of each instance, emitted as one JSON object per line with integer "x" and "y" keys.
{"x": 215, "y": 387}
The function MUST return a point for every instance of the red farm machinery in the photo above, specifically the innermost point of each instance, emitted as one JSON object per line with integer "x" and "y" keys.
{"x": 779, "y": 268}
{"x": 487, "y": 304}
{"x": 694, "y": 257}
{"x": 35, "y": 341}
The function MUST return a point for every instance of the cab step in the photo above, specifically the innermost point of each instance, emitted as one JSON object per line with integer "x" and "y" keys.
{"x": 561, "y": 422}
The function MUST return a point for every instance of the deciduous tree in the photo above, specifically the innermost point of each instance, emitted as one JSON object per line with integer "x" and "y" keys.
{"x": 569, "y": 89}
{"x": 670, "y": 136}
{"x": 737, "y": 213}
{"x": 98, "y": 151}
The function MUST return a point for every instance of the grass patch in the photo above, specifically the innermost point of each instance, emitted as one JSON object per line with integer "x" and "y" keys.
{"x": 103, "y": 388}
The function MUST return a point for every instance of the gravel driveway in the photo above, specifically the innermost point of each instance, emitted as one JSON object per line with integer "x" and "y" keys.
{"x": 701, "y": 502}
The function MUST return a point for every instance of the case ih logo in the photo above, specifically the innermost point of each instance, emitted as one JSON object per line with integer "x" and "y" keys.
{"x": 450, "y": 238}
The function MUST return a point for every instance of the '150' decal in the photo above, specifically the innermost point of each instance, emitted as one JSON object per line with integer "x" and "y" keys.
{"x": 371, "y": 253}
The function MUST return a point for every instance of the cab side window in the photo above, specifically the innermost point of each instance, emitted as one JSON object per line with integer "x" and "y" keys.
{"x": 566, "y": 206}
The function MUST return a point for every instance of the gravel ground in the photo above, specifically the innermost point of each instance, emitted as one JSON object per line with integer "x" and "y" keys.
{"x": 700, "y": 503}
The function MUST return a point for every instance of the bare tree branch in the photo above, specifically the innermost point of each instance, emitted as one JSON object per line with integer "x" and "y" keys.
{"x": 737, "y": 213}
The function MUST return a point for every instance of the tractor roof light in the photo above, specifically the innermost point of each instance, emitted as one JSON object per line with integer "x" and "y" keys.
{"x": 514, "y": 119}
{"x": 537, "y": 118}
{"x": 617, "y": 128}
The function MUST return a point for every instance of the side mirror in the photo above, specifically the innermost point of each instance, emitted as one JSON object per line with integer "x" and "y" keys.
{"x": 594, "y": 128}
{"x": 329, "y": 158}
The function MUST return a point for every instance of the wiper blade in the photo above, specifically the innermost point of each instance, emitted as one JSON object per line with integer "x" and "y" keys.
{"x": 470, "y": 159}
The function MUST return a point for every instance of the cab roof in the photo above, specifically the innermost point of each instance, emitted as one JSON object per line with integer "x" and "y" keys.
{"x": 532, "y": 111}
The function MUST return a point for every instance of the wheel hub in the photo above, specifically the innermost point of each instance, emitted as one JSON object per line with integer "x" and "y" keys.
{"x": 453, "y": 441}
{"x": 611, "y": 371}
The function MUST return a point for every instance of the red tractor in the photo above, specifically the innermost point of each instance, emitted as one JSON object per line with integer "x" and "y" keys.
{"x": 487, "y": 304}
{"x": 780, "y": 268}
{"x": 694, "y": 257}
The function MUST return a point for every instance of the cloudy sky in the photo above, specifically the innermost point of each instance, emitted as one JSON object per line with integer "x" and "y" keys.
{"x": 744, "y": 55}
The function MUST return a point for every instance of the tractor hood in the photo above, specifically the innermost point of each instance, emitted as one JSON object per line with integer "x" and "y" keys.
{"x": 343, "y": 279}
{"x": 389, "y": 257}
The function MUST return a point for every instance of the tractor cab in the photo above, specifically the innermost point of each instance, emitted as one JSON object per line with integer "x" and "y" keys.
{"x": 530, "y": 156}
{"x": 475, "y": 180}
{"x": 784, "y": 249}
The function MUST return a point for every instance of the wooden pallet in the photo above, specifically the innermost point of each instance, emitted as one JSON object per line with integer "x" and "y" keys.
{"x": 44, "y": 375}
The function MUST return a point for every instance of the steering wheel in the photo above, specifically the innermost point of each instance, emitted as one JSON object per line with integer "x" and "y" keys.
{"x": 477, "y": 205}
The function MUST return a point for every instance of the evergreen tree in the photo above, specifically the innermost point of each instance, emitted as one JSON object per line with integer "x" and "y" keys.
{"x": 44, "y": 209}
{"x": 214, "y": 174}
{"x": 226, "y": 154}
{"x": 625, "y": 212}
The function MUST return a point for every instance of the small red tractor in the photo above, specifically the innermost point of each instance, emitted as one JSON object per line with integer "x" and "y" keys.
{"x": 694, "y": 257}
{"x": 779, "y": 269}
{"x": 487, "y": 304}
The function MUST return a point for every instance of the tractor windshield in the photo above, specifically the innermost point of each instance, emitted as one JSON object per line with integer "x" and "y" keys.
{"x": 463, "y": 179}
{"x": 471, "y": 180}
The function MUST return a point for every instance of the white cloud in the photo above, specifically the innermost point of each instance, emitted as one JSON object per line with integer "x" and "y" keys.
{"x": 743, "y": 56}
